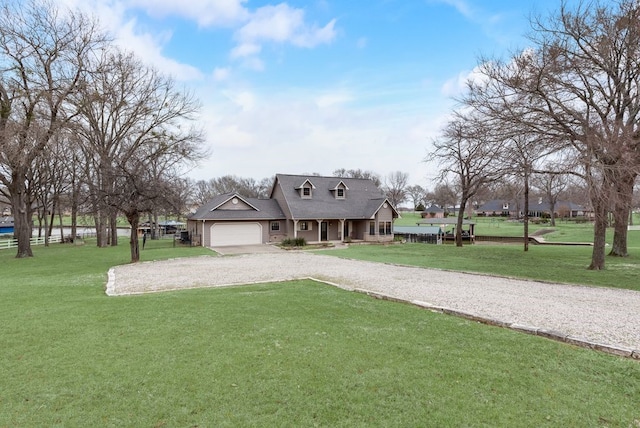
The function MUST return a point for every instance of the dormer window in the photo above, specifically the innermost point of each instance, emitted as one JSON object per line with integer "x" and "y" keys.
{"x": 339, "y": 190}
{"x": 306, "y": 189}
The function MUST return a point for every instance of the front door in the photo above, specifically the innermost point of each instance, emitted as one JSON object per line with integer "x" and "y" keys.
{"x": 323, "y": 231}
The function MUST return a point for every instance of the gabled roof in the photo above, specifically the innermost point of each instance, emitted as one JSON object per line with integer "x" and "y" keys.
{"x": 305, "y": 182}
{"x": 256, "y": 209}
{"x": 362, "y": 202}
{"x": 434, "y": 209}
{"x": 229, "y": 197}
{"x": 337, "y": 185}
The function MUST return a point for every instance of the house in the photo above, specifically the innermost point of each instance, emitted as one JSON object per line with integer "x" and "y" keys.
{"x": 433, "y": 211}
{"x": 315, "y": 208}
{"x": 537, "y": 208}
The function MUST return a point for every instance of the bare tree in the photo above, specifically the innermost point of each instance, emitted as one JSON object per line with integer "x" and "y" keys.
{"x": 578, "y": 85}
{"x": 395, "y": 187}
{"x": 465, "y": 152}
{"x": 136, "y": 133}
{"x": 551, "y": 184}
{"x": 417, "y": 195}
{"x": 358, "y": 173}
{"x": 265, "y": 186}
{"x": 43, "y": 53}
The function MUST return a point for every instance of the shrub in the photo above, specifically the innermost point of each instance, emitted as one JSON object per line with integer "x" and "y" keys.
{"x": 294, "y": 242}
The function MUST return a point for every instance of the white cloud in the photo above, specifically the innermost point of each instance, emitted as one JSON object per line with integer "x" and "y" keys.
{"x": 332, "y": 98}
{"x": 280, "y": 24}
{"x": 149, "y": 48}
{"x": 461, "y": 6}
{"x": 458, "y": 84}
{"x": 206, "y": 13}
{"x": 220, "y": 74}
{"x": 245, "y": 49}
{"x": 257, "y": 135}
{"x": 244, "y": 99}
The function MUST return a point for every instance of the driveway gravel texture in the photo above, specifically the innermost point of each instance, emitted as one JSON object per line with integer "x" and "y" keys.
{"x": 602, "y": 318}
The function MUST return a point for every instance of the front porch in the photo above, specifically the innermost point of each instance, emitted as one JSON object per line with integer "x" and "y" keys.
{"x": 342, "y": 230}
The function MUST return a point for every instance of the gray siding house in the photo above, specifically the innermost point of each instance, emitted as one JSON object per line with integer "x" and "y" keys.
{"x": 311, "y": 207}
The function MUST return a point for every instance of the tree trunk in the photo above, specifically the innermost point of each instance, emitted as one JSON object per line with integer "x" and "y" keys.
{"x": 22, "y": 212}
{"x": 45, "y": 217}
{"x": 62, "y": 224}
{"x": 74, "y": 216}
{"x": 156, "y": 226}
{"x": 113, "y": 226}
{"x": 600, "y": 207}
{"x": 526, "y": 209}
{"x": 134, "y": 220}
{"x": 463, "y": 203}
{"x": 621, "y": 212}
{"x": 101, "y": 230}
{"x": 54, "y": 207}
{"x": 619, "y": 245}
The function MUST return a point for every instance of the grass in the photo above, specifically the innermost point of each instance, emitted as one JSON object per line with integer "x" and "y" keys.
{"x": 566, "y": 264}
{"x": 556, "y": 263}
{"x": 288, "y": 354}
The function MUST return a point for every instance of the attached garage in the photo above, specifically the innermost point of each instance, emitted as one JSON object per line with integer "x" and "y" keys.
{"x": 224, "y": 234}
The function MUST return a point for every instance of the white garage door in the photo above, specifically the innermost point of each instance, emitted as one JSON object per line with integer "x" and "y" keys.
{"x": 236, "y": 234}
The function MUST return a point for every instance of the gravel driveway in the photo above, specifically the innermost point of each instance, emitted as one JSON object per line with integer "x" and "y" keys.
{"x": 601, "y": 318}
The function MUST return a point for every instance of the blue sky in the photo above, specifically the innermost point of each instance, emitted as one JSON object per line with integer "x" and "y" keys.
{"x": 313, "y": 86}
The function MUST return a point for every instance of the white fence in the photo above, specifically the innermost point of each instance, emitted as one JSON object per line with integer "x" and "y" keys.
{"x": 13, "y": 243}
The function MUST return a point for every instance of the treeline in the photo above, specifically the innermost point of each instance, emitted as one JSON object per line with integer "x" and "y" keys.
{"x": 86, "y": 126}
{"x": 568, "y": 105}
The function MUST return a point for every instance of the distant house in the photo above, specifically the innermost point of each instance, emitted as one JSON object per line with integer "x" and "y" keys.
{"x": 311, "y": 207}
{"x": 537, "y": 208}
{"x": 433, "y": 211}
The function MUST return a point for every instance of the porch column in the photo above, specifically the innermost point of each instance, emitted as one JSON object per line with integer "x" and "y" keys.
{"x": 341, "y": 230}
{"x": 295, "y": 229}
{"x": 319, "y": 230}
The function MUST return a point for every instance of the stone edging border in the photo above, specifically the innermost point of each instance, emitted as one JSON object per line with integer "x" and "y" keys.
{"x": 549, "y": 334}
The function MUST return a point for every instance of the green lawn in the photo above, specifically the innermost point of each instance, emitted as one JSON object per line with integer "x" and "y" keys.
{"x": 543, "y": 262}
{"x": 288, "y": 354}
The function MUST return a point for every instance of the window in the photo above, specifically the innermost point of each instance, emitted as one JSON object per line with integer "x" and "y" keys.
{"x": 304, "y": 225}
{"x": 340, "y": 194}
{"x": 381, "y": 228}
{"x": 306, "y": 191}
{"x": 372, "y": 228}
{"x": 275, "y": 226}
{"x": 387, "y": 227}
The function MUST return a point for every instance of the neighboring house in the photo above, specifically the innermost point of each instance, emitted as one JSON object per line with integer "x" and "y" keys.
{"x": 311, "y": 207}
{"x": 433, "y": 211}
{"x": 537, "y": 208}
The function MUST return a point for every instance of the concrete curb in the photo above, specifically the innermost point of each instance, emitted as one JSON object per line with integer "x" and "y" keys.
{"x": 111, "y": 283}
{"x": 535, "y": 331}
